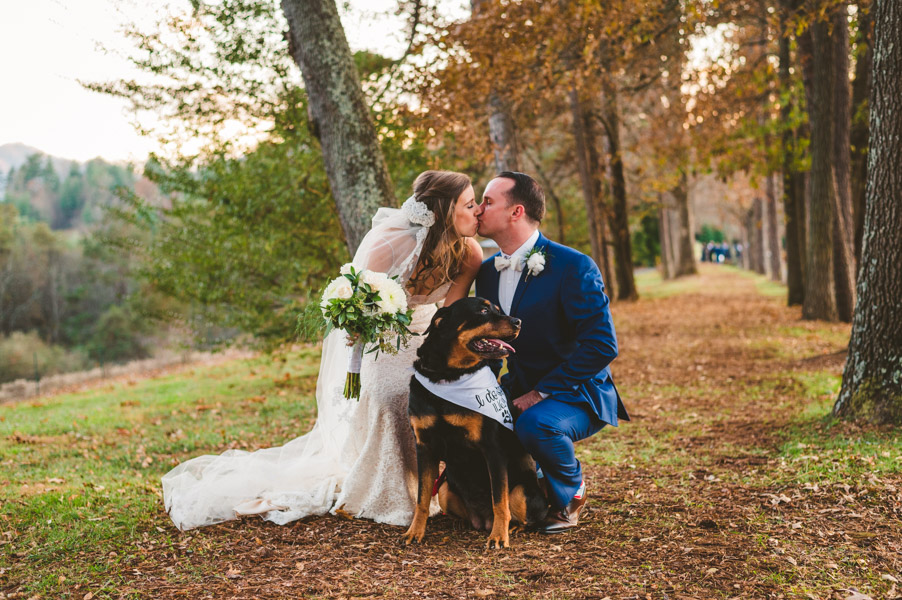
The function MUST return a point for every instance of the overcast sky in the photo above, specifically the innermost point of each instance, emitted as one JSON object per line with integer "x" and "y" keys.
{"x": 46, "y": 46}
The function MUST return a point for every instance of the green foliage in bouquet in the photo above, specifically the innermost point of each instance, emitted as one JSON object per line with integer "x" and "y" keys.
{"x": 372, "y": 308}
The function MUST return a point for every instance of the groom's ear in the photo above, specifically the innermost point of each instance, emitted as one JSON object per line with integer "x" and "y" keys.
{"x": 437, "y": 319}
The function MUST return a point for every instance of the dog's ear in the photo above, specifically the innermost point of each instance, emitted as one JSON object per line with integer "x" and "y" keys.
{"x": 437, "y": 319}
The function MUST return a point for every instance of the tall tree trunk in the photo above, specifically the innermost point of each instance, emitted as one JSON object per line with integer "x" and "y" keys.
{"x": 502, "y": 132}
{"x": 550, "y": 192}
{"x": 758, "y": 263}
{"x": 843, "y": 232}
{"x": 503, "y": 135}
{"x": 619, "y": 222}
{"x": 820, "y": 288}
{"x": 685, "y": 255}
{"x": 339, "y": 115}
{"x": 861, "y": 90}
{"x": 748, "y": 237}
{"x": 792, "y": 201}
{"x": 773, "y": 230}
{"x": 590, "y": 180}
{"x": 872, "y": 380}
{"x": 668, "y": 260}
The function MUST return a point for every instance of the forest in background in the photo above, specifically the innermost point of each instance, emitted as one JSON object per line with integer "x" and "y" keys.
{"x": 68, "y": 301}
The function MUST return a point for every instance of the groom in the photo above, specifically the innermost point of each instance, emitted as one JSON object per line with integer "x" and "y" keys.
{"x": 559, "y": 376}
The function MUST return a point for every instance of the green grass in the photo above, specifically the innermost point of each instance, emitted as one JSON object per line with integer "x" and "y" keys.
{"x": 823, "y": 449}
{"x": 764, "y": 285}
{"x": 836, "y": 336}
{"x": 813, "y": 447}
{"x": 80, "y": 472}
{"x": 650, "y": 284}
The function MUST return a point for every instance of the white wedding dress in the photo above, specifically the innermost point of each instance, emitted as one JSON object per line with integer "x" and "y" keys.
{"x": 360, "y": 457}
{"x": 382, "y": 483}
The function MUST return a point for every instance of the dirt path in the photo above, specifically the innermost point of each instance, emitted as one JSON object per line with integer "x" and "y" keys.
{"x": 695, "y": 498}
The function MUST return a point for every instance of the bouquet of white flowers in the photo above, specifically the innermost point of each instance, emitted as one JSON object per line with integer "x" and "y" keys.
{"x": 372, "y": 308}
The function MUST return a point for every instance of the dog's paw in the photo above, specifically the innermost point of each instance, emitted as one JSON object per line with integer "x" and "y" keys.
{"x": 498, "y": 539}
{"x": 414, "y": 535}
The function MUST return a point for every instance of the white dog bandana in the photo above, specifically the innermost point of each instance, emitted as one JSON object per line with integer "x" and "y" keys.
{"x": 479, "y": 392}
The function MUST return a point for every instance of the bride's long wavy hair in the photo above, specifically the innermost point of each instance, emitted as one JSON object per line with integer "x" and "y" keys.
{"x": 444, "y": 250}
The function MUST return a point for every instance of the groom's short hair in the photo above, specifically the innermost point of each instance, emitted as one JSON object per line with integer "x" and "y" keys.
{"x": 528, "y": 192}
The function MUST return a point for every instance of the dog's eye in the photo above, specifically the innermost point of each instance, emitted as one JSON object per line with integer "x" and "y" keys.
{"x": 484, "y": 311}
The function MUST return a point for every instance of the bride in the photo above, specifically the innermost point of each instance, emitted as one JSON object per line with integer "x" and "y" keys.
{"x": 360, "y": 457}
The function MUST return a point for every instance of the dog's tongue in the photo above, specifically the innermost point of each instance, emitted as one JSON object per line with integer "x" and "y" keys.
{"x": 503, "y": 344}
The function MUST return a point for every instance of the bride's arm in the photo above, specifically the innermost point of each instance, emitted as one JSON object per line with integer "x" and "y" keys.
{"x": 460, "y": 288}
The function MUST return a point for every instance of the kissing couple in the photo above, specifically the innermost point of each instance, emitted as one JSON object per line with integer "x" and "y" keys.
{"x": 360, "y": 457}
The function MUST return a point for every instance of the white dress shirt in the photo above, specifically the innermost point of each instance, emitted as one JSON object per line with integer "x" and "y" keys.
{"x": 509, "y": 278}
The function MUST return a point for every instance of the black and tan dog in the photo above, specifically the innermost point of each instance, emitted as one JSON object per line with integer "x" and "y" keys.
{"x": 489, "y": 478}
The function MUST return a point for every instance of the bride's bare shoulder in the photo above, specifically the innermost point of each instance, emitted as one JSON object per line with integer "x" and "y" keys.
{"x": 474, "y": 255}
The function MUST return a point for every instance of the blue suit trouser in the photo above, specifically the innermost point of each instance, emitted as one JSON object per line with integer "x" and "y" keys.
{"x": 548, "y": 430}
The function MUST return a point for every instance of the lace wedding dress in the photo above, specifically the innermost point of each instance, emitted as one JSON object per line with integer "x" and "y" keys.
{"x": 359, "y": 457}
{"x": 382, "y": 483}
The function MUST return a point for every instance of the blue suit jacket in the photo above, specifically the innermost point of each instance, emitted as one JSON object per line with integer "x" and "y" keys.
{"x": 567, "y": 340}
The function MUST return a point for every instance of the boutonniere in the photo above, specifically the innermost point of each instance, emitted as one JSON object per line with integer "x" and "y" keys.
{"x": 535, "y": 261}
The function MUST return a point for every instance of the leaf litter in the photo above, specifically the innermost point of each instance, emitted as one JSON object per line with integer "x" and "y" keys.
{"x": 695, "y": 498}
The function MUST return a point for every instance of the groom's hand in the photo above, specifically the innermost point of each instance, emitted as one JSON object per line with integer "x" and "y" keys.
{"x": 527, "y": 400}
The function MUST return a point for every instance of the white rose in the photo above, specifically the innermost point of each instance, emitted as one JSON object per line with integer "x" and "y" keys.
{"x": 329, "y": 292}
{"x": 344, "y": 290}
{"x": 346, "y": 269}
{"x": 376, "y": 280}
{"x": 338, "y": 288}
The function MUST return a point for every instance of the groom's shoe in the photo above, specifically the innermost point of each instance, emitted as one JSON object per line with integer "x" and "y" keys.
{"x": 566, "y": 518}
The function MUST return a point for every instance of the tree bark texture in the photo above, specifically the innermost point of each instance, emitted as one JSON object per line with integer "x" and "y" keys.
{"x": 820, "y": 288}
{"x": 351, "y": 153}
{"x": 619, "y": 222}
{"x": 802, "y": 180}
{"x": 872, "y": 379}
{"x": 590, "y": 180}
{"x": 550, "y": 193}
{"x": 668, "y": 260}
{"x": 843, "y": 231}
{"x": 748, "y": 226}
{"x": 503, "y": 135}
{"x": 502, "y": 132}
{"x": 792, "y": 202}
{"x": 758, "y": 250}
{"x": 773, "y": 230}
{"x": 861, "y": 90}
{"x": 685, "y": 256}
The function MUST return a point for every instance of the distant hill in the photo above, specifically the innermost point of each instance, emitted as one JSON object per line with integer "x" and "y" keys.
{"x": 14, "y": 156}
{"x": 66, "y": 194}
